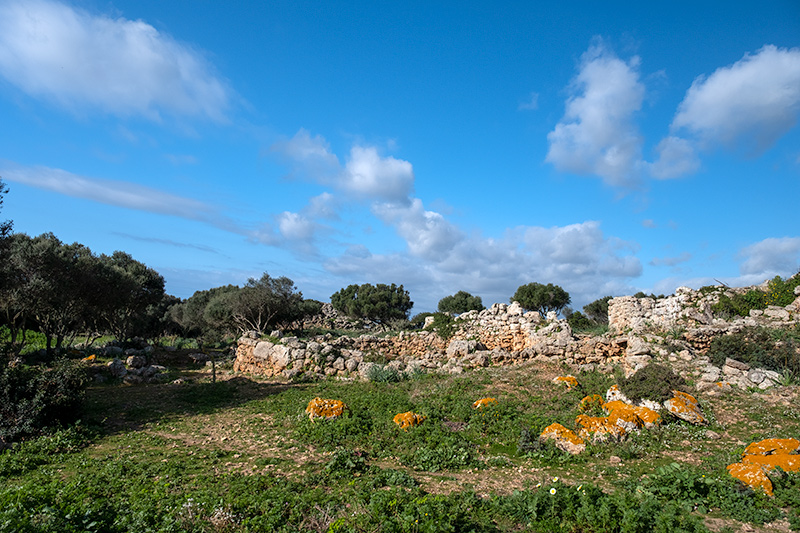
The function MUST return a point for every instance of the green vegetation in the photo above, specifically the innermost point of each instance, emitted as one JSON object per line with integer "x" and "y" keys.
{"x": 378, "y": 303}
{"x": 33, "y": 399}
{"x": 444, "y": 324}
{"x": 460, "y": 302}
{"x": 653, "y": 382}
{"x": 773, "y": 349}
{"x": 780, "y": 292}
{"x": 542, "y": 298}
{"x": 241, "y": 455}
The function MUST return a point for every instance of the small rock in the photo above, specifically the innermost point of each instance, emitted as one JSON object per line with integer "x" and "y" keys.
{"x": 614, "y": 460}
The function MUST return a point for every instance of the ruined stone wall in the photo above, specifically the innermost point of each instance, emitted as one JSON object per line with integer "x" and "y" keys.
{"x": 689, "y": 308}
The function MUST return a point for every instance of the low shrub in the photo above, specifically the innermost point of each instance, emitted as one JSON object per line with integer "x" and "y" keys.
{"x": 444, "y": 325}
{"x": 34, "y": 399}
{"x": 653, "y": 382}
{"x": 760, "y": 347}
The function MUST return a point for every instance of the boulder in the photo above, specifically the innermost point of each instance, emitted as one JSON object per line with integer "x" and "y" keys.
{"x": 686, "y": 407}
{"x": 564, "y": 439}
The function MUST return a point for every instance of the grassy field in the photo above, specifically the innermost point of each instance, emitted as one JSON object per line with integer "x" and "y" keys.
{"x": 241, "y": 455}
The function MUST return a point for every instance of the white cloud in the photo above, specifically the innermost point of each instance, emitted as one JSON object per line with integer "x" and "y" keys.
{"x": 747, "y": 105}
{"x": 118, "y": 193}
{"x": 578, "y": 257}
{"x": 322, "y": 206}
{"x": 676, "y": 157}
{"x": 771, "y": 257}
{"x": 427, "y": 233}
{"x": 310, "y": 156}
{"x": 123, "y": 67}
{"x": 366, "y": 175}
{"x": 295, "y": 227}
{"x": 597, "y": 135}
{"x": 649, "y": 223}
{"x": 371, "y": 176}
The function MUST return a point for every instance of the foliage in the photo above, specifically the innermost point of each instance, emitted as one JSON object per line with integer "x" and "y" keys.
{"x": 265, "y": 302}
{"x": 542, "y": 298}
{"x": 597, "y": 310}
{"x": 460, "y": 302}
{"x": 653, "y": 382}
{"x": 33, "y": 399}
{"x": 760, "y": 347}
{"x": 378, "y": 303}
{"x": 579, "y": 322}
{"x": 444, "y": 325}
{"x": 380, "y": 373}
{"x": 739, "y": 304}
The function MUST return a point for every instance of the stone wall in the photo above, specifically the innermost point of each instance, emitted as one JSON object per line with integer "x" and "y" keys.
{"x": 678, "y": 328}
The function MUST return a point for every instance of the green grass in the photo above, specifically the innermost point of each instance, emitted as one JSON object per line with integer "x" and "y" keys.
{"x": 241, "y": 455}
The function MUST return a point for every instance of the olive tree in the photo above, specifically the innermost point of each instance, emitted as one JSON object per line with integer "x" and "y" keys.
{"x": 460, "y": 302}
{"x": 541, "y": 298}
{"x": 377, "y": 303}
{"x": 265, "y": 302}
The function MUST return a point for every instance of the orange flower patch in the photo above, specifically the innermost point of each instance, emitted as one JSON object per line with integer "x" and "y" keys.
{"x": 569, "y": 381}
{"x": 483, "y": 402}
{"x": 407, "y": 420}
{"x": 322, "y": 408}
{"x": 563, "y": 438}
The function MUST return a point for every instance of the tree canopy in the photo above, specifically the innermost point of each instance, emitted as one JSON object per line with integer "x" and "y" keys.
{"x": 377, "y": 303}
{"x": 460, "y": 302}
{"x": 598, "y": 310}
{"x": 541, "y": 298}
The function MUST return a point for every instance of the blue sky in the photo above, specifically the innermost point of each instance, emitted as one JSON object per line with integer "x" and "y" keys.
{"x": 606, "y": 147}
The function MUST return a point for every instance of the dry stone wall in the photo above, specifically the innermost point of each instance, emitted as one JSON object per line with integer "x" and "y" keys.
{"x": 678, "y": 329}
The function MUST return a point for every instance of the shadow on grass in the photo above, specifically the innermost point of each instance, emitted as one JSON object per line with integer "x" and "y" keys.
{"x": 116, "y": 408}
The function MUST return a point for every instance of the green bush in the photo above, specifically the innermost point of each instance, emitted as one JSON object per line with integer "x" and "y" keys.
{"x": 775, "y": 349}
{"x": 653, "y": 382}
{"x": 444, "y": 325}
{"x": 33, "y": 399}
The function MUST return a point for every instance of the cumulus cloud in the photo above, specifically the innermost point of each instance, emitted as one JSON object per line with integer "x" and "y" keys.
{"x": 366, "y": 174}
{"x": 749, "y": 104}
{"x": 309, "y": 156}
{"x": 427, "y": 233}
{"x": 597, "y": 135}
{"x": 579, "y": 257}
{"x": 118, "y": 193}
{"x": 771, "y": 257}
{"x": 124, "y": 67}
{"x": 676, "y": 157}
{"x": 441, "y": 258}
{"x": 369, "y": 175}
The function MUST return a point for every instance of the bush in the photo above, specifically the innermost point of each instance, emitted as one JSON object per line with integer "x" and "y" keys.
{"x": 384, "y": 374}
{"x": 460, "y": 302}
{"x": 33, "y": 399}
{"x": 653, "y": 382}
{"x": 444, "y": 325}
{"x": 760, "y": 347}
